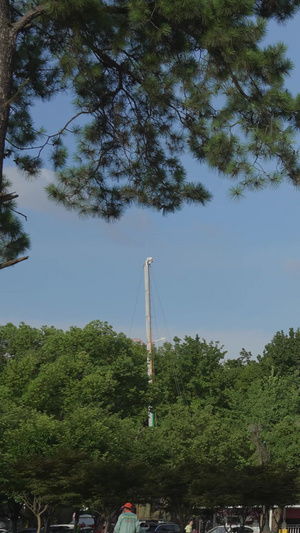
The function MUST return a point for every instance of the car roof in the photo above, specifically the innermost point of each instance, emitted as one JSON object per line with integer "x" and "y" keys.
{"x": 229, "y": 529}
{"x": 164, "y": 524}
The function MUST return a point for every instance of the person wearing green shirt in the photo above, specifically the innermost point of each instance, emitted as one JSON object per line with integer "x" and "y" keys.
{"x": 128, "y": 521}
{"x": 189, "y": 527}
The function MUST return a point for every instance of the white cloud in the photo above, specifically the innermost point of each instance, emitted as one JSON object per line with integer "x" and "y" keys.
{"x": 134, "y": 227}
{"x": 32, "y": 194}
{"x": 292, "y": 265}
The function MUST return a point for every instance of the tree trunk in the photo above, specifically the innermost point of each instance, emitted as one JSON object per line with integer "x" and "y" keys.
{"x": 47, "y": 519}
{"x": 99, "y": 522}
{"x": 14, "y": 525}
{"x": 277, "y": 519}
{"x": 108, "y": 522}
{"x": 39, "y": 522}
{"x": 13, "y": 510}
{"x": 76, "y": 521}
{"x": 7, "y": 49}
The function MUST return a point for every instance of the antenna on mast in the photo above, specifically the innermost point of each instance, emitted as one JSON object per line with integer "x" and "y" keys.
{"x": 149, "y": 260}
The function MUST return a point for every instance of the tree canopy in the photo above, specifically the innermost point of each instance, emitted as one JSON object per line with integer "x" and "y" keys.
{"x": 73, "y": 424}
{"x": 150, "y": 81}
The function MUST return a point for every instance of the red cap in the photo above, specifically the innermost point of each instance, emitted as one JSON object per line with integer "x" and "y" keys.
{"x": 127, "y": 506}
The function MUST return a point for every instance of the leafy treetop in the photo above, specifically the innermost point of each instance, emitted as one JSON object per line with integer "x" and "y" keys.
{"x": 150, "y": 80}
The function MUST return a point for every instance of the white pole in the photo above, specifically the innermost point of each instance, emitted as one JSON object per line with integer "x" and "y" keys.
{"x": 147, "y": 264}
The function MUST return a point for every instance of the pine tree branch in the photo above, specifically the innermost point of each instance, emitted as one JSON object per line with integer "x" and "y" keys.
{"x": 239, "y": 88}
{"x": 26, "y": 20}
{"x": 116, "y": 10}
{"x": 19, "y": 213}
{"x": 7, "y": 197}
{"x": 13, "y": 262}
{"x": 49, "y": 137}
{"x": 109, "y": 62}
{"x": 10, "y": 101}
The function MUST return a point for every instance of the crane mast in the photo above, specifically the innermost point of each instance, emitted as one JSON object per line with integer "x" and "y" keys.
{"x": 149, "y": 260}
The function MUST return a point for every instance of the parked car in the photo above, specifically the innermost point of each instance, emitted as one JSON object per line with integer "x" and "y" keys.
{"x": 149, "y": 526}
{"x": 58, "y": 528}
{"x": 167, "y": 527}
{"x": 85, "y": 519}
{"x": 236, "y": 528}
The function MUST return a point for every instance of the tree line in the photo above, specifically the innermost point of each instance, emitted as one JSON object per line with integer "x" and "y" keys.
{"x": 73, "y": 424}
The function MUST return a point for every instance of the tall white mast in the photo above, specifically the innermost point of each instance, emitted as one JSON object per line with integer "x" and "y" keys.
{"x": 149, "y": 260}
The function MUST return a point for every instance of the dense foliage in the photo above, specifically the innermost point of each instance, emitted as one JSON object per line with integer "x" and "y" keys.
{"x": 73, "y": 423}
{"x": 150, "y": 81}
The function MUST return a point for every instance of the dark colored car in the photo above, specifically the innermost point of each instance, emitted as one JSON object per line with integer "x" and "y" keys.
{"x": 59, "y": 528}
{"x": 149, "y": 526}
{"x": 167, "y": 527}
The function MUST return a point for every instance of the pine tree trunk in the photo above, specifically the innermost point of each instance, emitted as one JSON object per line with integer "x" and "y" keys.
{"x": 6, "y": 64}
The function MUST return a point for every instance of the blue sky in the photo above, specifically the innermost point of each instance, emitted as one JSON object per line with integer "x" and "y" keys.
{"x": 229, "y": 271}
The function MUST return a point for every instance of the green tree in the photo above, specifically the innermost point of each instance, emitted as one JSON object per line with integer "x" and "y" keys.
{"x": 76, "y": 402}
{"x": 149, "y": 80}
{"x": 70, "y": 402}
{"x": 247, "y": 487}
{"x": 268, "y": 415}
{"x": 189, "y": 370}
{"x": 238, "y": 373}
{"x": 282, "y": 353}
{"x": 56, "y": 372}
{"x": 190, "y": 444}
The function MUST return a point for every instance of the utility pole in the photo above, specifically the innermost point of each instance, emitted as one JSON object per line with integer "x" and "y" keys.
{"x": 149, "y": 260}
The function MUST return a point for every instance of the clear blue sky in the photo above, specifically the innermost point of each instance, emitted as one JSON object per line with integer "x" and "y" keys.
{"x": 229, "y": 271}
